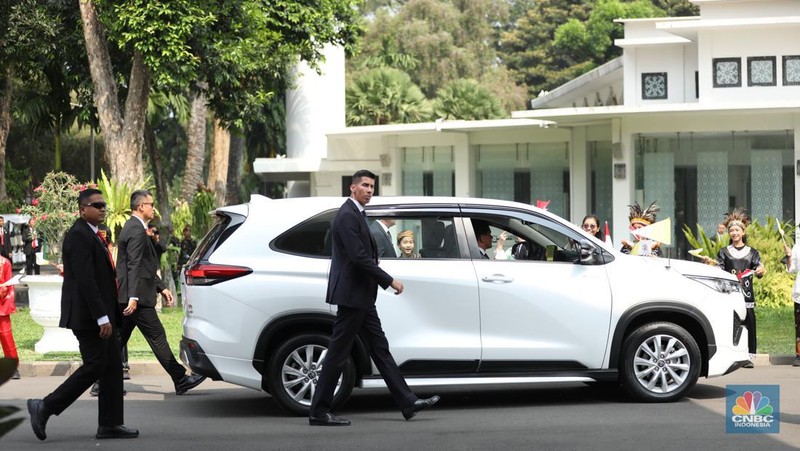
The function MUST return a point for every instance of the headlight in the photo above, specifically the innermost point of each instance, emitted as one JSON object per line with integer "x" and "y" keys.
{"x": 720, "y": 285}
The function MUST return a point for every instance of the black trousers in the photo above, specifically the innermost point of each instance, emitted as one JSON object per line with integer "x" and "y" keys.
{"x": 31, "y": 267}
{"x": 101, "y": 362}
{"x": 146, "y": 319}
{"x": 349, "y": 323}
{"x": 750, "y": 323}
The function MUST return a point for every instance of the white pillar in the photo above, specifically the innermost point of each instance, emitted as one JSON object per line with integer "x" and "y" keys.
{"x": 315, "y": 106}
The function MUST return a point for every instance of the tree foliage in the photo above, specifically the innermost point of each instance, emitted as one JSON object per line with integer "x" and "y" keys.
{"x": 385, "y": 96}
{"x": 466, "y": 100}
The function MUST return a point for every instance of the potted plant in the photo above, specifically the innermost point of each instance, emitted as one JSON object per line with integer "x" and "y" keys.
{"x": 55, "y": 208}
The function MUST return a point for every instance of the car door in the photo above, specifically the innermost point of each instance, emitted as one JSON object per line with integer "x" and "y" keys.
{"x": 543, "y": 313}
{"x": 433, "y": 327}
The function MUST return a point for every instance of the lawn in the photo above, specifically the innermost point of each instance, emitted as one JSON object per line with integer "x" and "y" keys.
{"x": 775, "y": 334}
{"x": 27, "y": 333}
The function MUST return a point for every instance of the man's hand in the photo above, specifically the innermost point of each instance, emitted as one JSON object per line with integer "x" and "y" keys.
{"x": 168, "y": 297}
{"x": 132, "y": 303}
{"x": 397, "y": 285}
{"x": 105, "y": 331}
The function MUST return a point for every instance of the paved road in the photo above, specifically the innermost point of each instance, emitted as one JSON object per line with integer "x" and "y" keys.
{"x": 217, "y": 415}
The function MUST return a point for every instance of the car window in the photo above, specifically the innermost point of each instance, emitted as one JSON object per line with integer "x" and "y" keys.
{"x": 311, "y": 238}
{"x": 431, "y": 236}
{"x": 224, "y": 226}
{"x": 527, "y": 239}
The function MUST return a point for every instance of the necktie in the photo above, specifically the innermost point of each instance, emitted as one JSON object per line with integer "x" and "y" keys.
{"x": 102, "y": 235}
{"x": 389, "y": 234}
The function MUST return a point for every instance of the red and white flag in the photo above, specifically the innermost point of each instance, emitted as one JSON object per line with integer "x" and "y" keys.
{"x": 608, "y": 236}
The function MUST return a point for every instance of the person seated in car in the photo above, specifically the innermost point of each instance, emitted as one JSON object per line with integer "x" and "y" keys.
{"x": 483, "y": 234}
{"x": 405, "y": 242}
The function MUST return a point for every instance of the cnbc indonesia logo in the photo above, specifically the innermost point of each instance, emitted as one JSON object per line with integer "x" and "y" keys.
{"x": 753, "y": 411}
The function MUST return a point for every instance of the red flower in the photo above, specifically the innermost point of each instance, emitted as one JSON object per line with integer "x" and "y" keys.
{"x": 35, "y": 202}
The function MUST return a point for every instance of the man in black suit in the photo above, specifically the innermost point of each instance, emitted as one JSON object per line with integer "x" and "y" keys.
{"x": 137, "y": 263}
{"x": 5, "y": 240}
{"x": 383, "y": 238}
{"x": 353, "y": 286}
{"x": 89, "y": 308}
{"x": 31, "y": 244}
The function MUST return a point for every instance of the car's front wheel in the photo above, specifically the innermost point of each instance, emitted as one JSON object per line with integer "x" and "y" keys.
{"x": 660, "y": 362}
{"x": 294, "y": 369}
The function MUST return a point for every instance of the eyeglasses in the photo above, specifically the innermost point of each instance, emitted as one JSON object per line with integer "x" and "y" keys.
{"x": 589, "y": 227}
{"x": 97, "y": 205}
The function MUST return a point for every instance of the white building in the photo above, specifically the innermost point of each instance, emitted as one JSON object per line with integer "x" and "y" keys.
{"x": 700, "y": 114}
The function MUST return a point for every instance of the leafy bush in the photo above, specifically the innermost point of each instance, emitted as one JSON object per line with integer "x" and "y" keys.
{"x": 204, "y": 201}
{"x": 118, "y": 201}
{"x": 710, "y": 248}
{"x": 775, "y": 288}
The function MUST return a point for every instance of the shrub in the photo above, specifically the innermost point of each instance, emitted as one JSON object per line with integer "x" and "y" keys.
{"x": 775, "y": 288}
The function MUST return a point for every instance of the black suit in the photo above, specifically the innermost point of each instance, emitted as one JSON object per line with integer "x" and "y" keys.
{"x": 5, "y": 248}
{"x": 382, "y": 240}
{"x": 89, "y": 293}
{"x": 137, "y": 263}
{"x": 31, "y": 267}
{"x": 353, "y": 286}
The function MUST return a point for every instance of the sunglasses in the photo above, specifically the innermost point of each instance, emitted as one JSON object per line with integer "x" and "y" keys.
{"x": 97, "y": 205}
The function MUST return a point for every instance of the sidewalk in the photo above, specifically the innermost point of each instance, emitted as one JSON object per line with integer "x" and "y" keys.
{"x": 153, "y": 368}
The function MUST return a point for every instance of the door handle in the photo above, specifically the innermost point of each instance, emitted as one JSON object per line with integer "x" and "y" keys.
{"x": 497, "y": 278}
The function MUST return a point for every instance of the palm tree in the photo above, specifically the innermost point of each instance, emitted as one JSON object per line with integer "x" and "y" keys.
{"x": 385, "y": 96}
{"x": 466, "y": 100}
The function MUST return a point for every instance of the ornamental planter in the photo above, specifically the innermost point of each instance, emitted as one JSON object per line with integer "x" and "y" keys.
{"x": 44, "y": 295}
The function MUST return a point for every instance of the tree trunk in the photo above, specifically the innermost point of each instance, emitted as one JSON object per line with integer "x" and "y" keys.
{"x": 123, "y": 137}
{"x": 162, "y": 195}
{"x": 196, "y": 142}
{"x": 236, "y": 160}
{"x": 218, "y": 166}
{"x": 5, "y": 126}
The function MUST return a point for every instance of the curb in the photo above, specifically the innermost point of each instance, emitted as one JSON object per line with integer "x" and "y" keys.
{"x": 66, "y": 368}
{"x": 153, "y": 368}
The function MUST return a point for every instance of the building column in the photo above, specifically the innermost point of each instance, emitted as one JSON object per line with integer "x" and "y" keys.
{"x": 624, "y": 177}
{"x": 797, "y": 170}
{"x": 579, "y": 176}
{"x": 465, "y": 167}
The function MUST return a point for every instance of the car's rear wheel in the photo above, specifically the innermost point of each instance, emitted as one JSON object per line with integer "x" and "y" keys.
{"x": 660, "y": 362}
{"x": 294, "y": 369}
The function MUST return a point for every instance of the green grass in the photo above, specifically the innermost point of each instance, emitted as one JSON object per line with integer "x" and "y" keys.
{"x": 27, "y": 333}
{"x": 775, "y": 327}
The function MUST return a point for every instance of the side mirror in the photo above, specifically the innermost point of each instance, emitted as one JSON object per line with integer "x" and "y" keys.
{"x": 587, "y": 252}
{"x": 521, "y": 250}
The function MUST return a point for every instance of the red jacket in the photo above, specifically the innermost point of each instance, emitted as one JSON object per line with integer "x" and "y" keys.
{"x": 7, "y": 305}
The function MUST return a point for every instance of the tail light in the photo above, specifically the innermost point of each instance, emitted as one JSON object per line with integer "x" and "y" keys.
{"x": 207, "y": 274}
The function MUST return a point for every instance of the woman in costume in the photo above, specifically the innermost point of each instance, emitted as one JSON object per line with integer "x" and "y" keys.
{"x": 7, "y": 307}
{"x": 642, "y": 218}
{"x": 744, "y": 262}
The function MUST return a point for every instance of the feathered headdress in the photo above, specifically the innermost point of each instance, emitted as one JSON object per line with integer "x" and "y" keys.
{"x": 646, "y": 217}
{"x": 737, "y": 217}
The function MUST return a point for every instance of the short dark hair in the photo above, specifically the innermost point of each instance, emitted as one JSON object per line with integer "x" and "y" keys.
{"x": 84, "y": 195}
{"x": 138, "y": 196}
{"x": 481, "y": 227}
{"x": 361, "y": 174}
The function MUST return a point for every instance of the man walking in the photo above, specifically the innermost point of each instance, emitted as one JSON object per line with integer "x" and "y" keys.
{"x": 137, "y": 263}
{"x": 352, "y": 287}
{"x": 89, "y": 307}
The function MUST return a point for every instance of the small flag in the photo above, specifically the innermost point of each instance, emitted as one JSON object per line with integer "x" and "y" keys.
{"x": 542, "y": 204}
{"x": 608, "y": 236}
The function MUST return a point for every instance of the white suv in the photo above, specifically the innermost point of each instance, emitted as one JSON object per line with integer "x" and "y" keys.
{"x": 562, "y": 307}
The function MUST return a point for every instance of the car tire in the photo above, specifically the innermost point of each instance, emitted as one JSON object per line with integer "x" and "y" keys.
{"x": 660, "y": 362}
{"x": 293, "y": 370}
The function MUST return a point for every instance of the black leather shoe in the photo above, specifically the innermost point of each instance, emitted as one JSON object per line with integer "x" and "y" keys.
{"x": 188, "y": 382}
{"x": 95, "y": 389}
{"x": 39, "y": 416}
{"x": 116, "y": 432}
{"x": 410, "y": 411}
{"x": 328, "y": 419}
